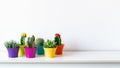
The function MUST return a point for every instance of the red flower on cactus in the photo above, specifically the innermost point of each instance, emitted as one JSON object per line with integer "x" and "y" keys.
{"x": 57, "y": 35}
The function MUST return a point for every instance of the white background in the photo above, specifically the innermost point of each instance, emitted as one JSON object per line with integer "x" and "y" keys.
{"x": 83, "y": 24}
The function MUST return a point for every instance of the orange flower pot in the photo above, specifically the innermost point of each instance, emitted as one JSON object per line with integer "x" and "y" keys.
{"x": 59, "y": 49}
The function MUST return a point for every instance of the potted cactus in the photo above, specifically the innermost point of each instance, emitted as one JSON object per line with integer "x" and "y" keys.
{"x": 50, "y": 48}
{"x": 12, "y": 48}
{"x": 60, "y": 46}
{"x": 39, "y": 43}
{"x": 22, "y": 44}
{"x": 30, "y": 49}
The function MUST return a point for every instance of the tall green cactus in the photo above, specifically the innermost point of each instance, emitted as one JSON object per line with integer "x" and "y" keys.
{"x": 58, "y": 39}
{"x": 31, "y": 42}
{"x": 22, "y": 40}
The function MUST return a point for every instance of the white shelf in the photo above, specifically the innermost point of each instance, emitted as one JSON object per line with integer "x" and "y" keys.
{"x": 69, "y": 57}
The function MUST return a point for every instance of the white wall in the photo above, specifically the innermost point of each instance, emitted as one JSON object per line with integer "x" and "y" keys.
{"x": 83, "y": 24}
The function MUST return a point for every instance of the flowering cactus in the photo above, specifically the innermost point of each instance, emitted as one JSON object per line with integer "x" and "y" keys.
{"x": 57, "y": 39}
{"x": 22, "y": 40}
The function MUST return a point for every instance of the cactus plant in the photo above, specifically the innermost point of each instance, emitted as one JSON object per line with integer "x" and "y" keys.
{"x": 60, "y": 46}
{"x": 22, "y": 44}
{"x": 11, "y": 44}
{"x": 57, "y": 39}
{"x": 31, "y": 42}
{"x": 12, "y": 48}
{"x": 22, "y": 40}
{"x": 30, "y": 50}
{"x": 39, "y": 41}
{"x": 50, "y": 48}
{"x": 50, "y": 44}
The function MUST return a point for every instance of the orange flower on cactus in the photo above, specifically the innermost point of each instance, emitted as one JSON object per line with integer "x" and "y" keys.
{"x": 57, "y": 35}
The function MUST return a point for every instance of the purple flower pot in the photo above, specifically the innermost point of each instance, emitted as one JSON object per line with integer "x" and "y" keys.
{"x": 30, "y": 52}
{"x": 13, "y": 52}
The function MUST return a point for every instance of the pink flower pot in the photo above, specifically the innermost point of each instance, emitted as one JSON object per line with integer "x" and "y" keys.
{"x": 30, "y": 52}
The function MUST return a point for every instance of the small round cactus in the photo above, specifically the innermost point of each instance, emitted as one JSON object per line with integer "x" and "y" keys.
{"x": 57, "y": 39}
{"x": 39, "y": 41}
{"x": 22, "y": 40}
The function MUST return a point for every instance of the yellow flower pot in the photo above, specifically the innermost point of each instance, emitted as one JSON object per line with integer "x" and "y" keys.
{"x": 50, "y": 52}
{"x": 21, "y": 51}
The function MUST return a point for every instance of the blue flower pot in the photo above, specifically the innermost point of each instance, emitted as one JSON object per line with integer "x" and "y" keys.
{"x": 40, "y": 50}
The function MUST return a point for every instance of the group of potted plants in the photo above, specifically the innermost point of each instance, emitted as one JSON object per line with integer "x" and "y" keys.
{"x": 33, "y": 47}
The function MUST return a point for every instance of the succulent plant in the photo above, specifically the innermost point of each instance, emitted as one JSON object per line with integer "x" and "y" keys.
{"x": 11, "y": 44}
{"x": 39, "y": 41}
{"x": 57, "y": 39}
{"x": 31, "y": 42}
{"x": 22, "y": 40}
{"x": 49, "y": 44}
